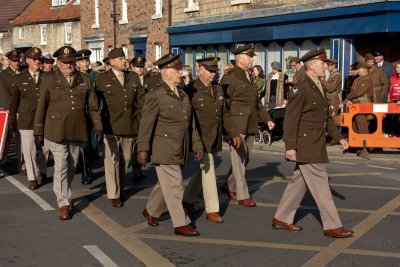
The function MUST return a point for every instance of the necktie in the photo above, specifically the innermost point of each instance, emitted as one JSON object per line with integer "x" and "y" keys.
{"x": 121, "y": 78}
{"x": 210, "y": 90}
{"x": 35, "y": 77}
{"x": 69, "y": 79}
{"x": 176, "y": 91}
{"x": 248, "y": 76}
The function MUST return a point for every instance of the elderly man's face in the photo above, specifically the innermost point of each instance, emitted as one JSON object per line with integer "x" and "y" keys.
{"x": 378, "y": 59}
{"x": 66, "y": 68}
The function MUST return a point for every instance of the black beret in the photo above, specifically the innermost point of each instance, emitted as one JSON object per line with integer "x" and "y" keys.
{"x": 169, "y": 61}
{"x": 65, "y": 54}
{"x": 116, "y": 53}
{"x": 245, "y": 49}
{"x": 83, "y": 54}
{"x": 315, "y": 54}
{"x": 14, "y": 54}
{"x": 138, "y": 61}
{"x": 34, "y": 52}
{"x": 209, "y": 63}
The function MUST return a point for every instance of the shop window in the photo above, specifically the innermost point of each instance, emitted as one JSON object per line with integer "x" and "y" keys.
{"x": 199, "y": 52}
{"x": 274, "y": 54}
{"x": 259, "y": 58}
{"x": 222, "y": 54}
{"x": 306, "y": 46}
{"x": 210, "y": 51}
{"x": 189, "y": 56}
{"x": 289, "y": 51}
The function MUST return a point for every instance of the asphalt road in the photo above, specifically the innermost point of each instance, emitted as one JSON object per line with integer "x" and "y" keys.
{"x": 367, "y": 195}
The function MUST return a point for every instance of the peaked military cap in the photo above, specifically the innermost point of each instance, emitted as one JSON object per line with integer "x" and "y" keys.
{"x": 169, "y": 61}
{"x": 293, "y": 60}
{"x": 34, "y": 52}
{"x": 83, "y": 54}
{"x": 138, "y": 61}
{"x": 116, "y": 53}
{"x": 65, "y": 54}
{"x": 244, "y": 49}
{"x": 363, "y": 64}
{"x": 48, "y": 59}
{"x": 14, "y": 54}
{"x": 209, "y": 63}
{"x": 378, "y": 53}
{"x": 315, "y": 54}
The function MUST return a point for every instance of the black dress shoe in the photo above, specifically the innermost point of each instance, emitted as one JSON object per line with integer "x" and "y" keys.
{"x": 152, "y": 221}
{"x": 44, "y": 178}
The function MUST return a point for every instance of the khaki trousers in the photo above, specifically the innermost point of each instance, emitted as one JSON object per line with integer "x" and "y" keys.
{"x": 237, "y": 174}
{"x": 314, "y": 177}
{"x": 136, "y": 167}
{"x": 204, "y": 176}
{"x": 65, "y": 159}
{"x": 168, "y": 191}
{"x": 117, "y": 154}
{"x": 35, "y": 161}
{"x": 360, "y": 124}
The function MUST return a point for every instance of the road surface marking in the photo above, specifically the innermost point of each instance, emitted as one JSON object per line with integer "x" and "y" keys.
{"x": 100, "y": 256}
{"x": 380, "y": 167}
{"x": 372, "y": 253}
{"x": 343, "y": 162}
{"x": 340, "y": 245}
{"x": 35, "y": 197}
{"x": 366, "y": 186}
{"x": 126, "y": 238}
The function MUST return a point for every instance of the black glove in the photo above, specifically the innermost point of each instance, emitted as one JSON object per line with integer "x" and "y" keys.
{"x": 98, "y": 135}
{"x": 142, "y": 158}
{"x": 39, "y": 141}
{"x": 199, "y": 154}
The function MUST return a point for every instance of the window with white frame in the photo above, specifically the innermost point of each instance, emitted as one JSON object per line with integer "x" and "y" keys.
{"x": 96, "y": 15}
{"x": 158, "y": 10}
{"x": 68, "y": 33}
{"x": 158, "y": 51}
{"x": 124, "y": 11}
{"x": 59, "y": 2}
{"x": 21, "y": 31}
{"x": 239, "y": 2}
{"x": 43, "y": 34}
{"x": 193, "y": 5}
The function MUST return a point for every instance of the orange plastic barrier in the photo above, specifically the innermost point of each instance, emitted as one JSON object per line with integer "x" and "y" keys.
{"x": 378, "y": 139}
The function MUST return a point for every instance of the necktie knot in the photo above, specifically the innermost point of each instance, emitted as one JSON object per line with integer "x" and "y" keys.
{"x": 121, "y": 78}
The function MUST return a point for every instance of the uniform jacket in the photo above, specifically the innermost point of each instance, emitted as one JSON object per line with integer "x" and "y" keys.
{"x": 332, "y": 86}
{"x": 307, "y": 122}
{"x": 120, "y": 103}
{"x": 298, "y": 75}
{"x": 362, "y": 90}
{"x": 281, "y": 89}
{"x": 208, "y": 114}
{"x": 243, "y": 108}
{"x": 153, "y": 82}
{"x": 379, "y": 81}
{"x": 24, "y": 99}
{"x": 7, "y": 77}
{"x": 388, "y": 69}
{"x": 164, "y": 126}
{"x": 60, "y": 114}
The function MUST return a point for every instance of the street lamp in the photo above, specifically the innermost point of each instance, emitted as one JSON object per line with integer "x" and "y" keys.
{"x": 115, "y": 15}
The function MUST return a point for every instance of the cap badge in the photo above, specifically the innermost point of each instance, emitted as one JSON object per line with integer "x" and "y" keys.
{"x": 139, "y": 59}
{"x": 66, "y": 50}
{"x": 36, "y": 50}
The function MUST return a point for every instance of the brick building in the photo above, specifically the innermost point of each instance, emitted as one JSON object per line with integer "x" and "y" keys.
{"x": 48, "y": 24}
{"x": 284, "y": 28}
{"x": 8, "y": 11}
{"x": 141, "y": 27}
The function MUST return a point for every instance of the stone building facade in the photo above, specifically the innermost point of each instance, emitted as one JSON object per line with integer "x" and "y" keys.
{"x": 48, "y": 25}
{"x": 140, "y": 28}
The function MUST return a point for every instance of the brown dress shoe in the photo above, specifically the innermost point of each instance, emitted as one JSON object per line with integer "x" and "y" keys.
{"x": 276, "y": 224}
{"x": 150, "y": 219}
{"x": 64, "y": 213}
{"x": 117, "y": 203}
{"x": 225, "y": 189}
{"x": 190, "y": 207}
{"x": 33, "y": 185}
{"x": 338, "y": 232}
{"x": 247, "y": 203}
{"x": 186, "y": 230}
{"x": 214, "y": 217}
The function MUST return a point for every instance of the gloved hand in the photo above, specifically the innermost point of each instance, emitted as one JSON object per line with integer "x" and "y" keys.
{"x": 237, "y": 141}
{"x": 98, "y": 135}
{"x": 39, "y": 141}
{"x": 142, "y": 157}
{"x": 199, "y": 154}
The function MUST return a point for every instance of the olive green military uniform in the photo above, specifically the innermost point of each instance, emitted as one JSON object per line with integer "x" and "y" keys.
{"x": 299, "y": 74}
{"x": 60, "y": 118}
{"x": 244, "y": 110}
{"x": 380, "y": 84}
{"x": 164, "y": 133}
{"x": 24, "y": 100}
{"x": 361, "y": 92}
{"x": 332, "y": 86}
{"x": 119, "y": 117}
{"x": 307, "y": 121}
{"x": 207, "y": 104}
